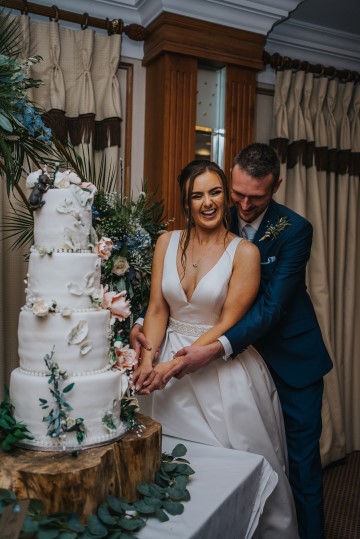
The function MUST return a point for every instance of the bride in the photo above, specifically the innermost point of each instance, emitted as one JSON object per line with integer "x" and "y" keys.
{"x": 204, "y": 279}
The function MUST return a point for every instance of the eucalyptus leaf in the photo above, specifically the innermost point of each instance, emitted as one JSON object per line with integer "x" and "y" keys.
{"x": 184, "y": 469}
{"x": 173, "y": 508}
{"x": 175, "y": 493}
{"x": 143, "y": 507}
{"x": 48, "y": 533}
{"x": 161, "y": 515}
{"x": 131, "y": 524}
{"x": 179, "y": 451}
{"x": 96, "y": 527}
{"x": 29, "y": 525}
{"x": 68, "y": 535}
{"x": 119, "y": 505}
{"x": 144, "y": 489}
{"x": 104, "y": 515}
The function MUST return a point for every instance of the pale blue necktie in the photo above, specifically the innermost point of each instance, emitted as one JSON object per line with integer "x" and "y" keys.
{"x": 249, "y": 232}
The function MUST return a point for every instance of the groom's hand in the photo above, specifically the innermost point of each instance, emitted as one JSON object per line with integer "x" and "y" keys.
{"x": 138, "y": 340}
{"x": 193, "y": 358}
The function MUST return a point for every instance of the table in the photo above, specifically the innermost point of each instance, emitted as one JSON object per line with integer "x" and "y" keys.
{"x": 228, "y": 492}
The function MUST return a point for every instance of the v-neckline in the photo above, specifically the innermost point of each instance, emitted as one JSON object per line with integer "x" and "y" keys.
{"x": 205, "y": 274}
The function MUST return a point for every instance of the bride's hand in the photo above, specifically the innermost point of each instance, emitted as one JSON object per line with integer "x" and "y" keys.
{"x": 141, "y": 374}
{"x": 155, "y": 380}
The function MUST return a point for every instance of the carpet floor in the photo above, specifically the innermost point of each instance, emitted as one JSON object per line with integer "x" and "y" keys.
{"x": 342, "y": 498}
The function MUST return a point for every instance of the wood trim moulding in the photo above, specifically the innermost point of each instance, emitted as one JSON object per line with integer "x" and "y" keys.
{"x": 218, "y": 44}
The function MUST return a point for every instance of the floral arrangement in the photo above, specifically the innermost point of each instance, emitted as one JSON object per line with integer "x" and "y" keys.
{"x": 128, "y": 230}
{"x": 23, "y": 134}
{"x": 272, "y": 231}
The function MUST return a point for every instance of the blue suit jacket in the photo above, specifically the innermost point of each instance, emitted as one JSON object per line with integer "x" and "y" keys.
{"x": 282, "y": 324}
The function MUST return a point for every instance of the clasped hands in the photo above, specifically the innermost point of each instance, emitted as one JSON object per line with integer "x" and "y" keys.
{"x": 148, "y": 377}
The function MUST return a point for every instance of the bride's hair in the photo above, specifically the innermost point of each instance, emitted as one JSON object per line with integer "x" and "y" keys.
{"x": 189, "y": 173}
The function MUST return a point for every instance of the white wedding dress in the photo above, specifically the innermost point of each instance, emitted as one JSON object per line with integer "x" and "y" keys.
{"x": 231, "y": 404}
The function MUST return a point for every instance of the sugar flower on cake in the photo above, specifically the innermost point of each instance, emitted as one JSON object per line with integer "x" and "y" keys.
{"x": 33, "y": 178}
{"x": 125, "y": 356}
{"x": 117, "y": 304}
{"x": 120, "y": 266}
{"x": 41, "y": 308}
{"x": 89, "y": 187}
{"x": 63, "y": 180}
{"x": 103, "y": 248}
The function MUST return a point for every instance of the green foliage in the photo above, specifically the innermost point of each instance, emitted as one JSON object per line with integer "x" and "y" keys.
{"x": 116, "y": 518}
{"x": 133, "y": 226}
{"x": 23, "y": 135}
{"x": 58, "y": 418}
{"x": 11, "y": 431}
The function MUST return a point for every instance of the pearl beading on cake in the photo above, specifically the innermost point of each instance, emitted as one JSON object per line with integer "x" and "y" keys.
{"x": 68, "y": 373}
{"x": 39, "y": 250}
{"x": 87, "y": 310}
{"x": 57, "y": 445}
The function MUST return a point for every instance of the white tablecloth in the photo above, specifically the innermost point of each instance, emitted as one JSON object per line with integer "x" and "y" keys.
{"x": 228, "y": 492}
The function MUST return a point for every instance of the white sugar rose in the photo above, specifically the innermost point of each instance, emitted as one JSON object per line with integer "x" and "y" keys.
{"x": 117, "y": 304}
{"x": 64, "y": 179}
{"x": 41, "y": 308}
{"x": 120, "y": 266}
{"x": 125, "y": 356}
{"x": 33, "y": 179}
{"x": 103, "y": 248}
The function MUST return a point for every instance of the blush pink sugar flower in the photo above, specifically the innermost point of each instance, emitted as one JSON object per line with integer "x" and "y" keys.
{"x": 117, "y": 304}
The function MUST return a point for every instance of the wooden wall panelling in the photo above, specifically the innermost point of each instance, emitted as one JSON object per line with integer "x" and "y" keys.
{"x": 173, "y": 48}
{"x": 239, "y": 111}
{"x": 171, "y": 107}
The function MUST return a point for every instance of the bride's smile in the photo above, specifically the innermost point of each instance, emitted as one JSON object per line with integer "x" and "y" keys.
{"x": 207, "y": 201}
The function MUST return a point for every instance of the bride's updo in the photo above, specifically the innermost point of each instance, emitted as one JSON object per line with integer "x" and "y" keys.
{"x": 186, "y": 180}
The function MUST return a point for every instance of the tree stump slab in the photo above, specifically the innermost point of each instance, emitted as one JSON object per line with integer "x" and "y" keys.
{"x": 65, "y": 483}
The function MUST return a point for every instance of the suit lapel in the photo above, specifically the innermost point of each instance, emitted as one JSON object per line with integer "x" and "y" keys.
{"x": 234, "y": 228}
{"x": 271, "y": 217}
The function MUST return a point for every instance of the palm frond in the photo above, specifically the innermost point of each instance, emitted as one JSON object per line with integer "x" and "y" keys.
{"x": 18, "y": 224}
{"x": 10, "y": 37}
{"x": 104, "y": 177}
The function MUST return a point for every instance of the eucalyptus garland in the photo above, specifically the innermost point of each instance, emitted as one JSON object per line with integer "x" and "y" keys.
{"x": 115, "y": 518}
{"x": 11, "y": 431}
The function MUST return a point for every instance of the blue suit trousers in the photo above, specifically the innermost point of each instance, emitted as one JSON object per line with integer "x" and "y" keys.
{"x": 302, "y": 416}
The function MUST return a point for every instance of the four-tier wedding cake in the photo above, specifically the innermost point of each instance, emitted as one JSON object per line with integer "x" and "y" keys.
{"x": 65, "y": 390}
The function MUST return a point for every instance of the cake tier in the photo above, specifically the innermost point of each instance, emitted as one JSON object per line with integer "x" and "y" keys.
{"x": 91, "y": 398}
{"x": 63, "y": 222}
{"x": 80, "y": 341}
{"x": 68, "y": 279}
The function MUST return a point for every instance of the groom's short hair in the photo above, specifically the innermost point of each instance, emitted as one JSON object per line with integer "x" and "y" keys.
{"x": 259, "y": 160}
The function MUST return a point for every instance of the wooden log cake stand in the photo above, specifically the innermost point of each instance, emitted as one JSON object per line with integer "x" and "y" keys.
{"x": 65, "y": 483}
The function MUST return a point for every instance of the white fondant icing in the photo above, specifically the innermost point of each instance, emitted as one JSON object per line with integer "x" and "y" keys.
{"x": 90, "y": 398}
{"x": 63, "y": 278}
{"x": 55, "y": 228}
{"x": 37, "y": 337}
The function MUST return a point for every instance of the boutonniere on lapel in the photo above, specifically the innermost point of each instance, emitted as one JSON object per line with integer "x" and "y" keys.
{"x": 272, "y": 231}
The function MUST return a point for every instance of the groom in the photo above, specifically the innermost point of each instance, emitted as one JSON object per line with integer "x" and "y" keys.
{"x": 281, "y": 324}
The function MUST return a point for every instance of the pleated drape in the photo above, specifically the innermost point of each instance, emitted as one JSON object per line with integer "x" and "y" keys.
{"x": 81, "y": 96}
{"x": 316, "y": 130}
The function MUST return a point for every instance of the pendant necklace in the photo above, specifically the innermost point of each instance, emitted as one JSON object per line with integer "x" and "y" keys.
{"x": 196, "y": 264}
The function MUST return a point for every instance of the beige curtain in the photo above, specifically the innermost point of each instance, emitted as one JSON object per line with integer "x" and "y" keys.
{"x": 81, "y": 95}
{"x": 316, "y": 129}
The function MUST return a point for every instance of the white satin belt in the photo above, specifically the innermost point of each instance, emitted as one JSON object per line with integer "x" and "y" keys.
{"x": 193, "y": 330}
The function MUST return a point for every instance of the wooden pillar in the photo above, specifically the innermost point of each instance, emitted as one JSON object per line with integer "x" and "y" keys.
{"x": 239, "y": 111}
{"x": 174, "y": 47}
{"x": 169, "y": 126}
